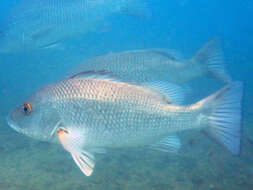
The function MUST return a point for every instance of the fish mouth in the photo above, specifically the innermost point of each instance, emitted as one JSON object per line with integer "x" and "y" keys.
{"x": 12, "y": 124}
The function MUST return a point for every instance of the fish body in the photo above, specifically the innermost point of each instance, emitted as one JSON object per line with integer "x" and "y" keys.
{"x": 114, "y": 114}
{"x": 161, "y": 64}
{"x": 36, "y": 24}
{"x": 88, "y": 115}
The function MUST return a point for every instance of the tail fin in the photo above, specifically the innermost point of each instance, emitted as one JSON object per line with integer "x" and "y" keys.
{"x": 211, "y": 57}
{"x": 223, "y": 115}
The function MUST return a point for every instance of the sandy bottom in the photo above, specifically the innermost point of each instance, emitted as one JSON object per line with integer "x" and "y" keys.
{"x": 26, "y": 164}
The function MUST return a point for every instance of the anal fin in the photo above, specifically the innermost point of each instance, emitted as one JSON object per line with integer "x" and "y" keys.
{"x": 169, "y": 144}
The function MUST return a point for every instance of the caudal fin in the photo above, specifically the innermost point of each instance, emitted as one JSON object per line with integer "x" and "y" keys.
{"x": 211, "y": 58}
{"x": 222, "y": 112}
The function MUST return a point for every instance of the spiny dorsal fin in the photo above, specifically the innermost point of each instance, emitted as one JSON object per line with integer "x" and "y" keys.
{"x": 173, "y": 93}
{"x": 95, "y": 74}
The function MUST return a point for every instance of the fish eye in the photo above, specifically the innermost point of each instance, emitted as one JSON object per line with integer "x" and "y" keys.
{"x": 27, "y": 108}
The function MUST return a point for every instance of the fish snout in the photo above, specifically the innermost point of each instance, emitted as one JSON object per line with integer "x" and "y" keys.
{"x": 12, "y": 123}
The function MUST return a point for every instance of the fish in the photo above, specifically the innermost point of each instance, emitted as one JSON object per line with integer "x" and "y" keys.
{"x": 35, "y": 24}
{"x": 92, "y": 113}
{"x": 161, "y": 64}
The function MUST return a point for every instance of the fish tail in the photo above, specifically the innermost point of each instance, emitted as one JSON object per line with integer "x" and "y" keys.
{"x": 221, "y": 113}
{"x": 211, "y": 58}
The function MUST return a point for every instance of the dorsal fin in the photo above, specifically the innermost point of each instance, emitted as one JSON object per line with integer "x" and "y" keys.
{"x": 173, "y": 93}
{"x": 169, "y": 144}
{"x": 169, "y": 54}
{"x": 96, "y": 74}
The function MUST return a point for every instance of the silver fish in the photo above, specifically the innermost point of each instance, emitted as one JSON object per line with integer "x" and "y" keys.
{"x": 89, "y": 115}
{"x": 36, "y": 24}
{"x": 161, "y": 64}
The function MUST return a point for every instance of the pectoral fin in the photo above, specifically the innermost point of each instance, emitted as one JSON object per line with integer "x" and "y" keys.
{"x": 85, "y": 161}
{"x": 71, "y": 140}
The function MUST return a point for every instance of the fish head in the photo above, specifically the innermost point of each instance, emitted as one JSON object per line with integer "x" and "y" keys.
{"x": 36, "y": 118}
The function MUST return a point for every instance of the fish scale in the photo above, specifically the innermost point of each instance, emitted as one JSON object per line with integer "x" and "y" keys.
{"x": 88, "y": 114}
{"x": 36, "y": 24}
{"x": 106, "y": 101}
{"x": 161, "y": 64}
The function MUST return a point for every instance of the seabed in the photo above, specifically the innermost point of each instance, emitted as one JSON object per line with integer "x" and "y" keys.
{"x": 27, "y": 164}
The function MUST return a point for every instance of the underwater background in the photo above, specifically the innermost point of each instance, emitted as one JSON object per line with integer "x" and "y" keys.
{"x": 183, "y": 25}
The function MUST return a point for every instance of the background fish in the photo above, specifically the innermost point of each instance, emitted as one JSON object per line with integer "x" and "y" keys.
{"x": 36, "y": 24}
{"x": 91, "y": 114}
{"x": 161, "y": 64}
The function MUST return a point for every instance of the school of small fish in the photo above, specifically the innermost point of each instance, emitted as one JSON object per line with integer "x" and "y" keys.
{"x": 124, "y": 99}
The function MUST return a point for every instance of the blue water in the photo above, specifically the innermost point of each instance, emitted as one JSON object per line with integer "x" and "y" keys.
{"x": 183, "y": 25}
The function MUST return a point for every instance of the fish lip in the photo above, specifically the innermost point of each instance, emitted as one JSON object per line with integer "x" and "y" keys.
{"x": 12, "y": 124}
{"x": 9, "y": 120}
